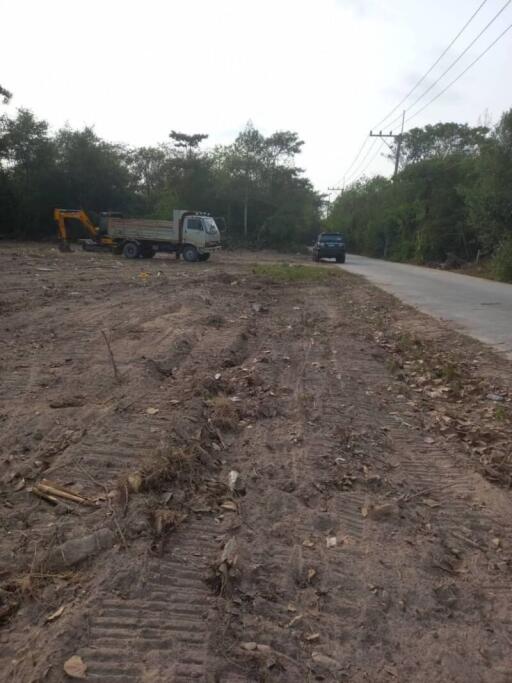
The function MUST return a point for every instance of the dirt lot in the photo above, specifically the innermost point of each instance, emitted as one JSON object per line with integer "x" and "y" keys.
{"x": 365, "y": 538}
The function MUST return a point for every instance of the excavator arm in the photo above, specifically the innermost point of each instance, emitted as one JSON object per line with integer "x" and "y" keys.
{"x": 60, "y": 216}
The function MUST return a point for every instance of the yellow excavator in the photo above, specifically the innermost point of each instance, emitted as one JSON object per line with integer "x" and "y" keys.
{"x": 96, "y": 241}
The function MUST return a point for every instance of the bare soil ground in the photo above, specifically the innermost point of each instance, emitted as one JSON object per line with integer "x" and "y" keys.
{"x": 366, "y": 537}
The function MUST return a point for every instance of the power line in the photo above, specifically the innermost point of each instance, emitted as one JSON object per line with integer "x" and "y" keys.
{"x": 468, "y": 22}
{"x": 456, "y": 61}
{"x": 356, "y": 172}
{"x": 363, "y": 145}
{"x": 461, "y": 74}
{"x": 471, "y": 65}
{"x": 356, "y": 157}
{"x": 370, "y": 161}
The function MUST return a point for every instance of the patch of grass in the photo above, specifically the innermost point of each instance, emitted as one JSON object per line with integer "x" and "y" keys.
{"x": 449, "y": 372}
{"x": 284, "y": 272}
{"x": 484, "y": 269}
{"x": 169, "y": 464}
{"x": 410, "y": 345}
{"x": 500, "y": 413}
{"x": 394, "y": 364}
{"x": 224, "y": 415}
{"x": 502, "y": 262}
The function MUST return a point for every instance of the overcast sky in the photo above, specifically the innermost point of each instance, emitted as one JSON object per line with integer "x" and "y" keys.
{"x": 328, "y": 69}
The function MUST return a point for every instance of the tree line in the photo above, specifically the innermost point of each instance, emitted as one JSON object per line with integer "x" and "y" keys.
{"x": 253, "y": 185}
{"x": 450, "y": 201}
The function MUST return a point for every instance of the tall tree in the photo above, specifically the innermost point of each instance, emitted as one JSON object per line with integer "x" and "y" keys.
{"x": 440, "y": 141}
{"x": 27, "y": 171}
{"x": 95, "y": 174}
{"x": 188, "y": 142}
{"x": 489, "y": 199}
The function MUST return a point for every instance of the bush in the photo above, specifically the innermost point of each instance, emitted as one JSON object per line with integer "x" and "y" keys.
{"x": 502, "y": 262}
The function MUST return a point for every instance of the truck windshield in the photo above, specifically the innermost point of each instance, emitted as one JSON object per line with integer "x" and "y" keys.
{"x": 210, "y": 225}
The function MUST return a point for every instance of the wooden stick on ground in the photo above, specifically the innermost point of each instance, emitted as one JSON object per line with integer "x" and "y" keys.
{"x": 47, "y": 486}
{"x": 112, "y": 359}
{"x": 54, "y": 491}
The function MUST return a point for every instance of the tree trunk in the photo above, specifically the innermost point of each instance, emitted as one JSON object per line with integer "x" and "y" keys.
{"x": 246, "y": 201}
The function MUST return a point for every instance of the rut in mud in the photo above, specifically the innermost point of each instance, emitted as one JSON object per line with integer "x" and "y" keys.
{"x": 358, "y": 544}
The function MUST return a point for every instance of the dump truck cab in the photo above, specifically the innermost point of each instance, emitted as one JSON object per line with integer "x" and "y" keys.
{"x": 198, "y": 229}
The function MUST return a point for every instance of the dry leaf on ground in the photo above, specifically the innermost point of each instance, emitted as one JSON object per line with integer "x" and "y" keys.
{"x": 75, "y": 667}
{"x": 56, "y": 614}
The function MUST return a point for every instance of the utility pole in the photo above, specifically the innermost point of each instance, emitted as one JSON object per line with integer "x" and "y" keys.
{"x": 338, "y": 189}
{"x": 333, "y": 189}
{"x": 398, "y": 140}
{"x": 327, "y": 202}
{"x": 399, "y": 145}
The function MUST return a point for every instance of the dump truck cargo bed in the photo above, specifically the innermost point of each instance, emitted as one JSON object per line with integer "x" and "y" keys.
{"x": 143, "y": 229}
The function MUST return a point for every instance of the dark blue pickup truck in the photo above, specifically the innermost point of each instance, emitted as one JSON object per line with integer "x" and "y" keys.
{"x": 329, "y": 245}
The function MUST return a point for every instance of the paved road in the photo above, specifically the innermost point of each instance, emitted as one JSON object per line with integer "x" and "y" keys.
{"x": 480, "y": 308}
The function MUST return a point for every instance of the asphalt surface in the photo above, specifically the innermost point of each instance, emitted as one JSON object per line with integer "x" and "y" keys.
{"x": 477, "y": 307}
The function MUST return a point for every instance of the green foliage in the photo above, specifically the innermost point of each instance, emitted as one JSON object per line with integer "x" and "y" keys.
{"x": 502, "y": 262}
{"x": 188, "y": 142}
{"x": 451, "y": 199}
{"x": 252, "y": 184}
{"x": 284, "y": 272}
{"x": 93, "y": 173}
{"x": 441, "y": 141}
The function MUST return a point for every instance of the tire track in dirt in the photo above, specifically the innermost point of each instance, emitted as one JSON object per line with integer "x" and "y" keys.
{"x": 290, "y": 567}
{"x": 162, "y": 633}
{"x": 165, "y": 623}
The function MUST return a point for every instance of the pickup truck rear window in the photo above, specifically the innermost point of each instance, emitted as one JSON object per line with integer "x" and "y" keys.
{"x": 331, "y": 240}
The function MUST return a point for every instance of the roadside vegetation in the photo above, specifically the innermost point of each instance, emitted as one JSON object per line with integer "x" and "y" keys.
{"x": 451, "y": 201}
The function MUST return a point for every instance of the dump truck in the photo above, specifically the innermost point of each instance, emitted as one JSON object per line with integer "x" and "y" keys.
{"x": 193, "y": 235}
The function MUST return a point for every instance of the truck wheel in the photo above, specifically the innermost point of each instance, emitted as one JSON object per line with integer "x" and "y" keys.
{"x": 340, "y": 259}
{"x": 204, "y": 257}
{"x": 147, "y": 253}
{"x": 189, "y": 253}
{"x": 131, "y": 250}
